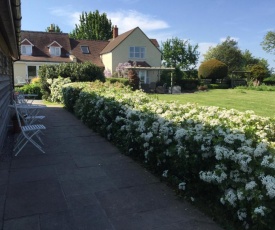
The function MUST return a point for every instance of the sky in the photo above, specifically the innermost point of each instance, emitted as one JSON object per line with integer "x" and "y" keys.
{"x": 203, "y": 22}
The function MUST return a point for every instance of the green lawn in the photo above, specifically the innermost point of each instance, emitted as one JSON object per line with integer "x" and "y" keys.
{"x": 261, "y": 102}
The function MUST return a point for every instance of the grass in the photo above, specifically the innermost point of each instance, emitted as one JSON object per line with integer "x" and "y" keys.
{"x": 261, "y": 102}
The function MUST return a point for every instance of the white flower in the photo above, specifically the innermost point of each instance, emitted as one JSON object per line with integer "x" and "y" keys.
{"x": 165, "y": 173}
{"x": 231, "y": 197}
{"x": 260, "y": 210}
{"x": 242, "y": 214}
{"x": 269, "y": 182}
{"x": 182, "y": 186}
{"x": 250, "y": 185}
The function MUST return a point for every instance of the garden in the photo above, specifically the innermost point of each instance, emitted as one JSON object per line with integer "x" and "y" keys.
{"x": 212, "y": 155}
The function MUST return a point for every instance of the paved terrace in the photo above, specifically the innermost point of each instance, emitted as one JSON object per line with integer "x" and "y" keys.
{"x": 84, "y": 182}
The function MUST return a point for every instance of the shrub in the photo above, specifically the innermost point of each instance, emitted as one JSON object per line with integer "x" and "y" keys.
{"x": 188, "y": 84}
{"x": 32, "y": 88}
{"x": 113, "y": 80}
{"x": 133, "y": 79}
{"x": 258, "y": 88}
{"x": 269, "y": 80}
{"x": 55, "y": 87}
{"x": 75, "y": 71}
{"x": 213, "y": 69}
{"x": 222, "y": 155}
{"x": 218, "y": 86}
{"x": 70, "y": 94}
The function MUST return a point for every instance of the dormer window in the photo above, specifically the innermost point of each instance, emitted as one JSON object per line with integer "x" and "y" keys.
{"x": 55, "y": 49}
{"x": 26, "y": 47}
{"x": 26, "y": 50}
{"x": 85, "y": 49}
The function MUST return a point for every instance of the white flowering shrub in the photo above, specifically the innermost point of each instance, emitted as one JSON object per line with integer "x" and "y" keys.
{"x": 55, "y": 86}
{"x": 209, "y": 150}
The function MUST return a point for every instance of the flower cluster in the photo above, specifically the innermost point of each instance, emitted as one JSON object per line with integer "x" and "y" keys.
{"x": 232, "y": 150}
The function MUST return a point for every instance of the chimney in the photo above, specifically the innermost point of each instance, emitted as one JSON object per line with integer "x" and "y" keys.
{"x": 51, "y": 29}
{"x": 115, "y": 32}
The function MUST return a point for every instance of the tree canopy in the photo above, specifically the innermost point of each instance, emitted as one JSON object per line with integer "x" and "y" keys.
{"x": 268, "y": 43}
{"x": 53, "y": 28}
{"x": 94, "y": 26}
{"x": 227, "y": 52}
{"x": 179, "y": 54}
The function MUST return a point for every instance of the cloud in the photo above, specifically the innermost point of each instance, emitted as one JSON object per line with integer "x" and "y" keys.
{"x": 127, "y": 20}
{"x": 70, "y": 16}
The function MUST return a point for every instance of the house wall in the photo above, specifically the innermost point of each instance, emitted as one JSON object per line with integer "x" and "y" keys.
{"x": 108, "y": 62}
{"x": 121, "y": 53}
{"x": 6, "y": 73}
{"x": 20, "y": 73}
{"x": 21, "y": 70}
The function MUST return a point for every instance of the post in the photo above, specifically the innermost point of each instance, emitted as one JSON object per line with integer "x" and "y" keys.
{"x": 171, "y": 82}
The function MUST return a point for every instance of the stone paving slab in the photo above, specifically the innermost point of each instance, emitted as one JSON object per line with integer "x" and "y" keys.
{"x": 84, "y": 182}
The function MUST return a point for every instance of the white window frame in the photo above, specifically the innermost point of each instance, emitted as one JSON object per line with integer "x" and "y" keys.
{"x": 55, "y": 51}
{"x": 26, "y": 49}
{"x": 137, "y": 52}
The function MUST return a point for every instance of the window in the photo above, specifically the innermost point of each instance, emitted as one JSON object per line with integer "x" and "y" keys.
{"x": 137, "y": 52}
{"x": 26, "y": 49}
{"x": 85, "y": 49}
{"x": 32, "y": 72}
{"x": 55, "y": 51}
{"x": 142, "y": 74}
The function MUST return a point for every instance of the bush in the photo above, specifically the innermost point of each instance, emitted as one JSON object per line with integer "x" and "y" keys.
{"x": 133, "y": 79}
{"x": 269, "y": 80}
{"x": 32, "y": 88}
{"x": 71, "y": 93}
{"x": 224, "y": 156}
{"x": 189, "y": 84}
{"x": 218, "y": 86}
{"x": 262, "y": 87}
{"x": 55, "y": 87}
{"x": 213, "y": 69}
{"x": 77, "y": 72}
{"x": 124, "y": 81}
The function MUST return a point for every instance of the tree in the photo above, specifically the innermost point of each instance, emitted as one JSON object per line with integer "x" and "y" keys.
{"x": 53, "y": 28}
{"x": 179, "y": 54}
{"x": 133, "y": 79}
{"x": 213, "y": 69}
{"x": 94, "y": 26}
{"x": 228, "y": 53}
{"x": 268, "y": 43}
{"x": 258, "y": 73}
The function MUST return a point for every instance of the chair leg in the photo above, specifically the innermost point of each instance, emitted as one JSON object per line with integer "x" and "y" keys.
{"x": 28, "y": 139}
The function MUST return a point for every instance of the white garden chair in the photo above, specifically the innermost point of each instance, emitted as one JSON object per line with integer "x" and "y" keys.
{"x": 28, "y": 133}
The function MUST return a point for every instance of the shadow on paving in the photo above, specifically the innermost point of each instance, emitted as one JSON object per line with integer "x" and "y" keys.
{"x": 84, "y": 182}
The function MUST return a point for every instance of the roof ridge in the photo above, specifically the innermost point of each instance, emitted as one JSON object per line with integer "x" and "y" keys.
{"x": 31, "y": 31}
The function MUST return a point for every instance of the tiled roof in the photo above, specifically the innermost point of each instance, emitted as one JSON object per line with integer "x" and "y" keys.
{"x": 155, "y": 42}
{"x": 95, "y": 47}
{"x": 115, "y": 42}
{"x": 41, "y": 41}
{"x": 139, "y": 63}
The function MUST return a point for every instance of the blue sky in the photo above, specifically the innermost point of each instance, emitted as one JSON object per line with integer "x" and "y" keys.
{"x": 202, "y": 22}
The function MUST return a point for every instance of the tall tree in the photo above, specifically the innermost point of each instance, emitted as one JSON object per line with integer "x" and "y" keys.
{"x": 93, "y": 25}
{"x": 53, "y": 28}
{"x": 268, "y": 43}
{"x": 227, "y": 52}
{"x": 179, "y": 54}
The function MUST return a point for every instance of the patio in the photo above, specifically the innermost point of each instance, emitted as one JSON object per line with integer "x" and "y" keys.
{"x": 84, "y": 182}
